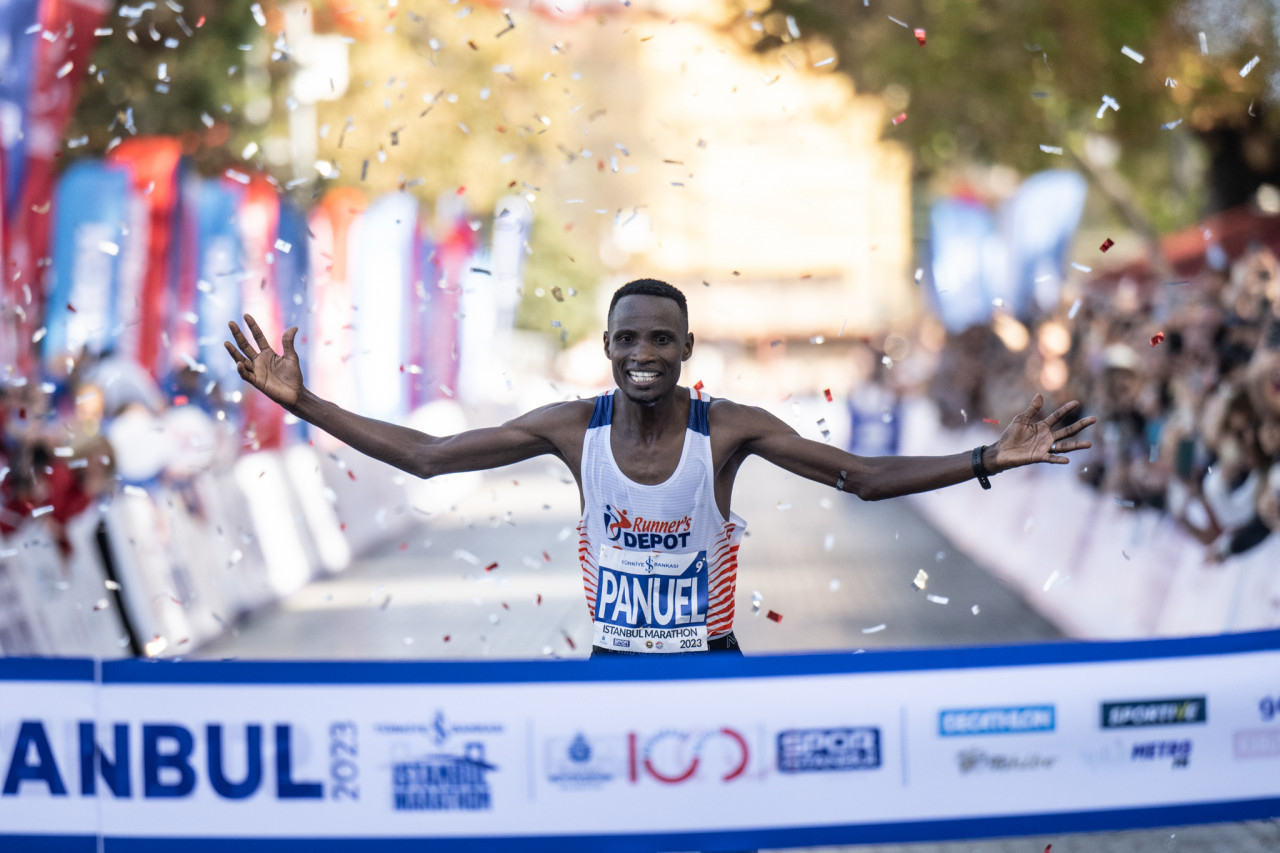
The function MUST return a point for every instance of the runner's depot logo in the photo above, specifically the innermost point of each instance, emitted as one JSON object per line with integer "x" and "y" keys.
{"x": 646, "y": 533}
{"x": 1178, "y": 752}
{"x": 1154, "y": 712}
{"x": 673, "y": 757}
{"x": 1021, "y": 719}
{"x": 584, "y": 763}
{"x": 1256, "y": 743}
{"x": 817, "y": 750}
{"x": 443, "y": 782}
{"x": 976, "y": 760}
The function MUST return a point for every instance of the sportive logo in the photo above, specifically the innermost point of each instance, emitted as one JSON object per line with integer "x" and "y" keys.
{"x": 672, "y": 757}
{"x": 996, "y": 721}
{"x": 1154, "y": 712}
{"x": 1179, "y": 751}
{"x": 443, "y": 782}
{"x": 649, "y": 533}
{"x": 974, "y": 760}
{"x": 815, "y": 750}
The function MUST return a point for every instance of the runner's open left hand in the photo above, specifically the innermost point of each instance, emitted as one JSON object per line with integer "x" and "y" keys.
{"x": 1029, "y": 439}
{"x": 278, "y": 376}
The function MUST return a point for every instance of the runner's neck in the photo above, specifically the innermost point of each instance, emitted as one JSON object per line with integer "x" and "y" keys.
{"x": 649, "y": 424}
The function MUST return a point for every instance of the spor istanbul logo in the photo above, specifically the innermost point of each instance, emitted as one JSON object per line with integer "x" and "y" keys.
{"x": 641, "y": 532}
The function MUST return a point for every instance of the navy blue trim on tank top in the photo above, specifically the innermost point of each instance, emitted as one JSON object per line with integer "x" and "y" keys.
{"x": 603, "y": 413}
{"x": 699, "y": 421}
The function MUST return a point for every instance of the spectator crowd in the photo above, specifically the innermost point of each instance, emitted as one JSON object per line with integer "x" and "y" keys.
{"x": 1183, "y": 375}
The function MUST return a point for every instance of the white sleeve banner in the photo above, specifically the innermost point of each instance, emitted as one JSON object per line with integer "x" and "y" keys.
{"x": 675, "y": 754}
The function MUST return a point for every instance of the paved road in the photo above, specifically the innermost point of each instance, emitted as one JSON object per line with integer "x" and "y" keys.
{"x": 840, "y": 572}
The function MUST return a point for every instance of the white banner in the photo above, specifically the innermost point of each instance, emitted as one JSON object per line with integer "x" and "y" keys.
{"x": 640, "y": 754}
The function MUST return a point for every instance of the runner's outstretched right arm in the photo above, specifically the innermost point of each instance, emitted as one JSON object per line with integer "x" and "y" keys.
{"x": 279, "y": 376}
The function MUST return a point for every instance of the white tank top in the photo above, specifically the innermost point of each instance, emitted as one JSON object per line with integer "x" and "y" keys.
{"x": 659, "y": 563}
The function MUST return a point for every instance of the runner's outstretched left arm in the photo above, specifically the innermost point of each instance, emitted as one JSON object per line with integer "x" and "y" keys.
{"x": 1027, "y": 439}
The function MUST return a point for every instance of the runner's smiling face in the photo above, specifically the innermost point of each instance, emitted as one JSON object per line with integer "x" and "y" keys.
{"x": 647, "y": 340}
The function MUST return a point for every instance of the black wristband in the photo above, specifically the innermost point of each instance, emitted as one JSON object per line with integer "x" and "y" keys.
{"x": 979, "y": 470}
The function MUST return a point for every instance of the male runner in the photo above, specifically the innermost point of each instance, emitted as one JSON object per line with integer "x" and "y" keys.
{"x": 655, "y": 465}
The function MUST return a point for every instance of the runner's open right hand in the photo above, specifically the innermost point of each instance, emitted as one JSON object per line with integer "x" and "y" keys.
{"x": 277, "y": 376}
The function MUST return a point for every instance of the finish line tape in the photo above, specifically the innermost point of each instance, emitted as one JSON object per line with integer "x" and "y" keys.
{"x": 676, "y": 754}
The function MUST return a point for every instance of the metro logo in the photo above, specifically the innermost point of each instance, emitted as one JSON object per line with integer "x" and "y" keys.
{"x": 167, "y": 767}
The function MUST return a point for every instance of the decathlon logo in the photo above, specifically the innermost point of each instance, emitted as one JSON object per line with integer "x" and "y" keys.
{"x": 995, "y": 721}
{"x": 673, "y": 757}
{"x": 1154, "y": 712}
{"x": 443, "y": 782}
{"x": 641, "y": 532}
{"x": 814, "y": 750}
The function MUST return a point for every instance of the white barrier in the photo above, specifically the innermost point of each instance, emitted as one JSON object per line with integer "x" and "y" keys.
{"x": 165, "y": 568}
{"x": 1094, "y": 567}
{"x": 711, "y": 753}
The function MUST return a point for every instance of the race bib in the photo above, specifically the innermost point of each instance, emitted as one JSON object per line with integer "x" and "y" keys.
{"x": 654, "y": 603}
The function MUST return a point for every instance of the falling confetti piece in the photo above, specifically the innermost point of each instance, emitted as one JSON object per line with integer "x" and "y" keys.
{"x": 1107, "y": 244}
{"x": 1132, "y": 54}
{"x": 491, "y": 566}
{"x": 1053, "y": 578}
{"x": 922, "y": 578}
{"x": 1157, "y": 338}
{"x": 1051, "y": 149}
{"x": 1075, "y": 309}
{"x": 991, "y": 421}
{"x": 899, "y": 119}
{"x": 1249, "y": 66}
{"x": 539, "y": 600}
{"x": 773, "y": 616}
{"x": 569, "y": 640}
{"x": 920, "y": 34}
{"x": 875, "y": 629}
{"x": 447, "y": 638}
{"x": 351, "y": 474}
{"x": 975, "y": 610}
{"x": 826, "y": 392}
{"x": 938, "y": 599}
{"x": 1081, "y": 267}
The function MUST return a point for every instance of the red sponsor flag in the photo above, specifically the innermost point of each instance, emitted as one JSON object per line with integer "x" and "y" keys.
{"x": 153, "y": 163}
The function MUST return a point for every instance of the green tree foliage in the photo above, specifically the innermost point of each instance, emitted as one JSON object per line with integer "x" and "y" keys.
{"x": 204, "y": 47}
{"x": 996, "y": 80}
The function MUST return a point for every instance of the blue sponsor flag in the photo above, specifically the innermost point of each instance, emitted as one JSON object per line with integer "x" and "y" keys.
{"x": 1037, "y": 226}
{"x": 89, "y": 209}
{"x": 965, "y": 258}
{"x": 17, "y": 59}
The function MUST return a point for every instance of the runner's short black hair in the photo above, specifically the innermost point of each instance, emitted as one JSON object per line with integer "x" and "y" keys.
{"x": 650, "y": 287}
